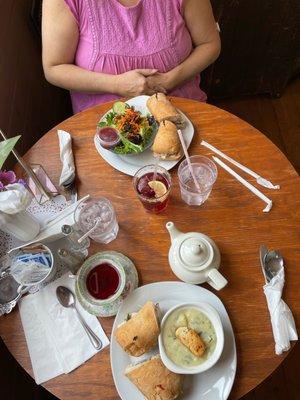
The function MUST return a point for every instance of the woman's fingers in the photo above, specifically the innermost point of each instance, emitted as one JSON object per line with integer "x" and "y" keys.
{"x": 160, "y": 89}
{"x": 149, "y": 91}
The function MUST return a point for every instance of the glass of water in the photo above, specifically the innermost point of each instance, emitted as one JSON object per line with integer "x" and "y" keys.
{"x": 98, "y": 212}
{"x": 205, "y": 172}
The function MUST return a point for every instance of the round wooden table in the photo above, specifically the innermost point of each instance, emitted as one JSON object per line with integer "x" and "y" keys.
{"x": 232, "y": 216}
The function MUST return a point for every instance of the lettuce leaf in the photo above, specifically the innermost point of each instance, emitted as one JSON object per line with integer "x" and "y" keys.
{"x": 109, "y": 120}
{"x": 127, "y": 147}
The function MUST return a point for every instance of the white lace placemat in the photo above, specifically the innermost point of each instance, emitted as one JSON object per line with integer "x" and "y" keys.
{"x": 41, "y": 213}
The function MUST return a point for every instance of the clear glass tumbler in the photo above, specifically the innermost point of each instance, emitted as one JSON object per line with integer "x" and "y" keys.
{"x": 152, "y": 184}
{"x": 101, "y": 212}
{"x": 205, "y": 172}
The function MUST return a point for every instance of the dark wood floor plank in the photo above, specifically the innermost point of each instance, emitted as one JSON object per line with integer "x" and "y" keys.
{"x": 273, "y": 388}
{"x": 291, "y": 370}
{"x": 249, "y": 396}
{"x": 287, "y": 111}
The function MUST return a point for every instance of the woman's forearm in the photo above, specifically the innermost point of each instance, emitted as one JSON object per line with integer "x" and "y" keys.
{"x": 202, "y": 56}
{"x": 71, "y": 77}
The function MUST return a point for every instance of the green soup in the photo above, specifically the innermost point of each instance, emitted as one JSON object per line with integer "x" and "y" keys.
{"x": 194, "y": 319}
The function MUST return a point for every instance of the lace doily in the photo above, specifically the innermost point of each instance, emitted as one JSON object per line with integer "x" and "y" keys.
{"x": 41, "y": 213}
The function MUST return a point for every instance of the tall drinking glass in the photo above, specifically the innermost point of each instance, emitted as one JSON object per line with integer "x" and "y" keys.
{"x": 205, "y": 172}
{"x": 100, "y": 212}
{"x": 152, "y": 184}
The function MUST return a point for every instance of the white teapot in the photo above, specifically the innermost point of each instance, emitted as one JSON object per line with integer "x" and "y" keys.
{"x": 195, "y": 258}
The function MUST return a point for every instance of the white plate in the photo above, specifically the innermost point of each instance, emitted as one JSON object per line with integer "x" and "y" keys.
{"x": 214, "y": 384}
{"x": 129, "y": 164}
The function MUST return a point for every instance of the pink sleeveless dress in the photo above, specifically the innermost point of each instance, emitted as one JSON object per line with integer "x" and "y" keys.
{"x": 115, "y": 39}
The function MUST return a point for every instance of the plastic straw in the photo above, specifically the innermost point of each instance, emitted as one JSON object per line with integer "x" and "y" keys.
{"x": 260, "y": 180}
{"x": 188, "y": 160}
{"x": 155, "y": 169}
{"x": 247, "y": 184}
{"x": 90, "y": 231}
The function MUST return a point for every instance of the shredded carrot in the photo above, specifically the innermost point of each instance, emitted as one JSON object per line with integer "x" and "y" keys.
{"x": 132, "y": 118}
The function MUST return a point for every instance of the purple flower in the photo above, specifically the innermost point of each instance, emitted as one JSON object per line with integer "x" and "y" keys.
{"x": 6, "y": 178}
{"x": 24, "y": 183}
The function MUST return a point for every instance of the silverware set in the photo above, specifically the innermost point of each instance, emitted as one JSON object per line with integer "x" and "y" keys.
{"x": 271, "y": 262}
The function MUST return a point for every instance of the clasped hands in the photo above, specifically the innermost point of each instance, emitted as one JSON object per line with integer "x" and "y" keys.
{"x": 142, "y": 81}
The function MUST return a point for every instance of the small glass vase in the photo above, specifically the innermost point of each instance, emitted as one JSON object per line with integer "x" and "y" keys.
{"x": 21, "y": 225}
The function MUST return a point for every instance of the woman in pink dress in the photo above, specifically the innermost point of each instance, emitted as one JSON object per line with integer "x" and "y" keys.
{"x": 102, "y": 50}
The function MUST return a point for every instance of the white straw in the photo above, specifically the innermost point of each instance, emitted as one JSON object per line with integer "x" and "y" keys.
{"x": 90, "y": 231}
{"x": 155, "y": 169}
{"x": 247, "y": 184}
{"x": 188, "y": 160}
{"x": 260, "y": 180}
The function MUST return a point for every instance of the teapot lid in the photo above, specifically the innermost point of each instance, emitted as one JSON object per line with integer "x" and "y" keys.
{"x": 196, "y": 253}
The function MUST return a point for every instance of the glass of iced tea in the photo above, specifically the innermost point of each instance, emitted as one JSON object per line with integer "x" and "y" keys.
{"x": 152, "y": 184}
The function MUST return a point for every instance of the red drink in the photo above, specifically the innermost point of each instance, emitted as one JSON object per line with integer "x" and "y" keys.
{"x": 103, "y": 281}
{"x": 108, "y": 137}
{"x": 153, "y": 187}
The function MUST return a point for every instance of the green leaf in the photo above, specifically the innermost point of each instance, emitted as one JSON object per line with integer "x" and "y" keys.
{"x": 6, "y": 147}
{"x": 127, "y": 147}
{"x": 110, "y": 118}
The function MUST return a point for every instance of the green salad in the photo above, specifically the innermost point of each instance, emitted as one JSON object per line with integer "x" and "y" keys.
{"x": 135, "y": 130}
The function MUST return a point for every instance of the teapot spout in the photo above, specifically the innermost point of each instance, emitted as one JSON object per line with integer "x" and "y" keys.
{"x": 173, "y": 231}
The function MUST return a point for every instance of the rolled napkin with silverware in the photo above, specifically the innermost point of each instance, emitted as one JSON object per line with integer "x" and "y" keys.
{"x": 67, "y": 177}
{"x": 56, "y": 339}
{"x": 282, "y": 320}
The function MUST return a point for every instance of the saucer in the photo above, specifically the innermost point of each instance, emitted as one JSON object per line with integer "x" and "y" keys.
{"x": 131, "y": 283}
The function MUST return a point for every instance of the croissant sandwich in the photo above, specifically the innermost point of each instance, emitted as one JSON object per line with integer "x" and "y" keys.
{"x": 140, "y": 333}
{"x": 162, "y": 110}
{"x": 154, "y": 380}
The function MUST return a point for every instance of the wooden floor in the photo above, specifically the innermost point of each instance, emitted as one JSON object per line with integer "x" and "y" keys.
{"x": 279, "y": 120}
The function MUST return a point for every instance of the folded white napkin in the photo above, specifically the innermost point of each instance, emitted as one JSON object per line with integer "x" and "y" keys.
{"x": 14, "y": 199}
{"x": 282, "y": 320}
{"x": 56, "y": 341}
{"x": 66, "y": 156}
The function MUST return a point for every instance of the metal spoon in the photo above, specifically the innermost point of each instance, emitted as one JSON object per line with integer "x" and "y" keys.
{"x": 67, "y": 299}
{"x": 273, "y": 263}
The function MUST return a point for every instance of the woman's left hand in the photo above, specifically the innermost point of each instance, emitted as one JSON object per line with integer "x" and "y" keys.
{"x": 159, "y": 82}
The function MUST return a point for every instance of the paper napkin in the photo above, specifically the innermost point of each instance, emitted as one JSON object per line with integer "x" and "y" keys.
{"x": 66, "y": 156}
{"x": 282, "y": 319}
{"x": 56, "y": 341}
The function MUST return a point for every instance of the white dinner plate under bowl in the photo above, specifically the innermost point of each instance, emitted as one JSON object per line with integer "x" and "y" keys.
{"x": 131, "y": 163}
{"x": 214, "y": 384}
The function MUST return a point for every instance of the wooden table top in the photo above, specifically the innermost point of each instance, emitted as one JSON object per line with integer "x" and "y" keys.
{"x": 232, "y": 216}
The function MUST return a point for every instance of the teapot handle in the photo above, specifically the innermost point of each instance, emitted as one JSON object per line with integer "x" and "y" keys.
{"x": 216, "y": 280}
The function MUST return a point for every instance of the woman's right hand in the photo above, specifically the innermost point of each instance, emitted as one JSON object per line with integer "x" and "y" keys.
{"x": 134, "y": 83}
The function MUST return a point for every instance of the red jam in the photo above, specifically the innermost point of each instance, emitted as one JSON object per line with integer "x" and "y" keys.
{"x": 103, "y": 281}
{"x": 108, "y": 137}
